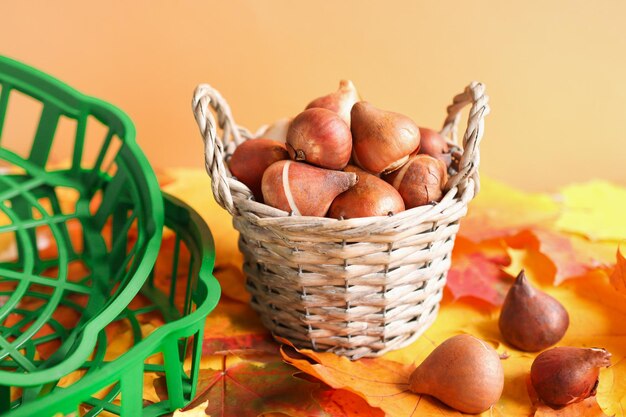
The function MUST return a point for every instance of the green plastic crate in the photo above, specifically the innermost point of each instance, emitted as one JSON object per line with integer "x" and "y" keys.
{"x": 180, "y": 338}
{"x": 111, "y": 232}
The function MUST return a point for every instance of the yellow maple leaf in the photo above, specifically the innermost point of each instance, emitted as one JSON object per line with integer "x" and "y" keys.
{"x": 594, "y": 209}
{"x": 500, "y": 210}
{"x": 612, "y": 394}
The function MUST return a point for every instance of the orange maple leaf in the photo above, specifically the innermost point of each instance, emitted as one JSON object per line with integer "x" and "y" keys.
{"x": 618, "y": 277}
{"x": 382, "y": 383}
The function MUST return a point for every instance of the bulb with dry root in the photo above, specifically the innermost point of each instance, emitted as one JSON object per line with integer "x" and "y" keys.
{"x": 340, "y": 101}
{"x": 565, "y": 375}
{"x": 530, "y": 319}
{"x": 382, "y": 140}
{"x": 435, "y": 145}
{"x": 303, "y": 189}
{"x": 463, "y": 372}
{"x": 420, "y": 181}
{"x": 251, "y": 159}
{"x": 320, "y": 137}
{"x": 370, "y": 197}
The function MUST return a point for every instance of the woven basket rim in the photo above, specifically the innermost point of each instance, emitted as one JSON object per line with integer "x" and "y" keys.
{"x": 281, "y": 217}
{"x": 238, "y": 199}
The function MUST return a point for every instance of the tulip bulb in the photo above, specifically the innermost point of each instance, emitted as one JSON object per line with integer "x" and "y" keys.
{"x": 320, "y": 137}
{"x": 420, "y": 181}
{"x": 370, "y": 197}
{"x": 463, "y": 372}
{"x": 530, "y": 319}
{"x": 340, "y": 102}
{"x": 251, "y": 159}
{"x": 565, "y": 375}
{"x": 302, "y": 189}
{"x": 435, "y": 145}
{"x": 382, "y": 140}
{"x": 277, "y": 131}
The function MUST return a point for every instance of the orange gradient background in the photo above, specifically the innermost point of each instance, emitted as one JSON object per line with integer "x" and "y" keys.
{"x": 554, "y": 70}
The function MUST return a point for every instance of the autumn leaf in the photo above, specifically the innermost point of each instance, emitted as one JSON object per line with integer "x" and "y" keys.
{"x": 475, "y": 274}
{"x": 500, "y": 210}
{"x": 251, "y": 385}
{"x": 557, "y": 248}
{"x": 382, "y": 383}
{"x": 618, "y": 277}
{"x": 594, "y": 209}
{"x": 234, "y": 327}
{"x": 232, "y": 281}
{"x": 611, "y": 393}
{"x": 505, "y": 228}
{"x": 343, "y": 403}
{"x": 586, "y": 408}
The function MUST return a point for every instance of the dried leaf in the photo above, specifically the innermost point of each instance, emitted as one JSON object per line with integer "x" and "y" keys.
{"x": 500, "y": 210}
{"x": 473, "y": 274}
{"x": 249, "y": 386}
{"x": 594, "y": 209}
{"x": 618, "y": 277}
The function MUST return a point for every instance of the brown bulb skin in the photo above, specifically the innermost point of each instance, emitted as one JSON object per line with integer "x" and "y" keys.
{"x": 382, "y": 140}
{"x": 251, "y": 159}
{"x": 435, "y": 145}
{"x": 302, "y": 189}
{"x": 371, "y": 196}
{"x": 420, "y": 181}
{"x": 530, "y": 319}
{"x": 340, "y": 101}
{"x": 565, "y": 375}
{"x": 320, "y": 137}
{"x": 463, "y": 372}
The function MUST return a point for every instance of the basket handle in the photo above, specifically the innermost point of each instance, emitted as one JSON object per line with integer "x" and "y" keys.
{"x": 474, "y": 94}
{"x": 207, "y": 100}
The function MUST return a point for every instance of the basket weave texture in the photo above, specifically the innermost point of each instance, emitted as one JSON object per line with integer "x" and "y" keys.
{"x": 357, "y": 287}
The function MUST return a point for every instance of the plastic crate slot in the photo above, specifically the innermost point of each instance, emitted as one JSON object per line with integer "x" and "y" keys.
{"x": 21, "y": 123}
{"x": 96, "y": 138}
{"x": 63, "y": 144}
{"x": 111, "y": 151}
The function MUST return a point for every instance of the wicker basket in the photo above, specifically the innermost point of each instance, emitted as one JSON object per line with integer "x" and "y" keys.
{"x": 357, "y": 287}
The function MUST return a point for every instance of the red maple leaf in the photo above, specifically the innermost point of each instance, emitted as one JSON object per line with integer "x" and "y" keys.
{"x": 477, "y": 274}
{"x": 252, "y": 385}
